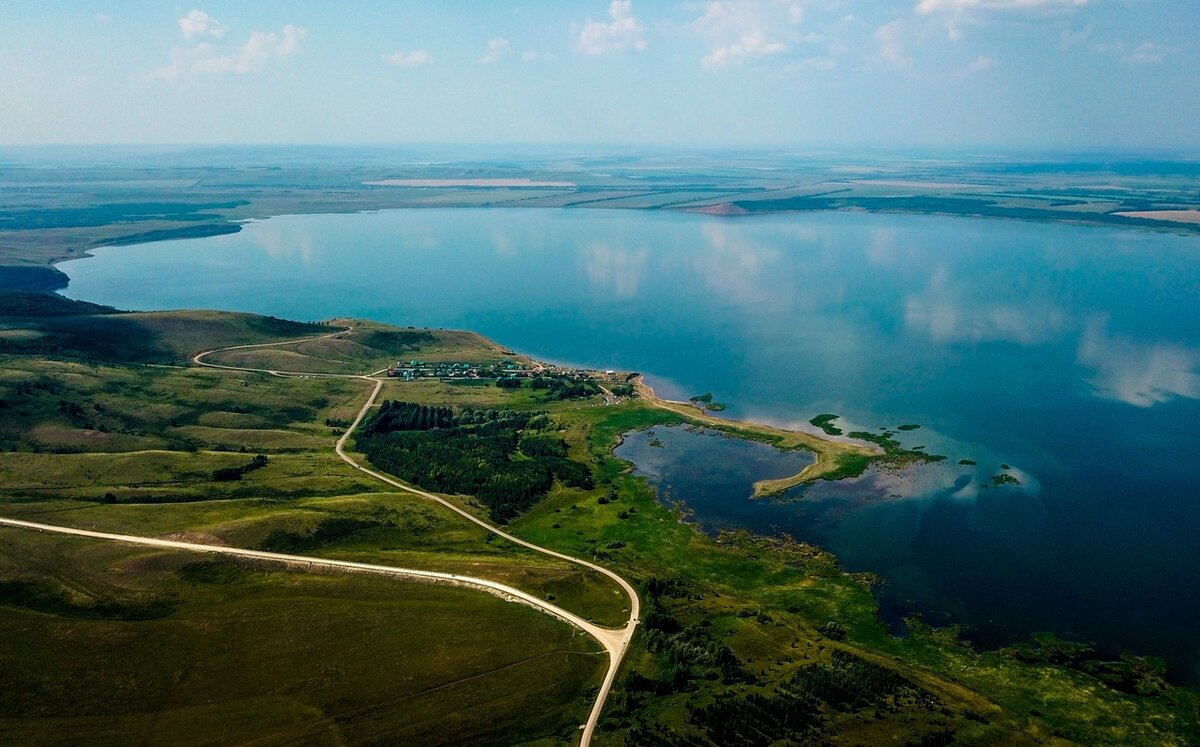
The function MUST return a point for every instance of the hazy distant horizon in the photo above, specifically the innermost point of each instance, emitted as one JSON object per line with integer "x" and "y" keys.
{"x": 432, "y": 154}
{"x": 1007, "y": 75}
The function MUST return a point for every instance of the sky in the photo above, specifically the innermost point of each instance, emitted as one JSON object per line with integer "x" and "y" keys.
{"x": 1007, "y": 74}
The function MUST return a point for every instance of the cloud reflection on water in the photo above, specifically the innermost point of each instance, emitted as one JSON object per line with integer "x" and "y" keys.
{"x": 734, "y": 268}
{"x": 619, "y": 271}
{"x": 945, "y": 313}
{"x": 1137, "y": 373}
{"x": 281, "y": 239}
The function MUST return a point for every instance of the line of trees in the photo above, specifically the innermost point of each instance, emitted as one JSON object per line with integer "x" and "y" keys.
{"x": 558, "y": 387}
{"x": 229, "y": 474}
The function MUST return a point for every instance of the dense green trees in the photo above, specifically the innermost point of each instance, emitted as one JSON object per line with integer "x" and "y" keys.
{"x": 226, "y": 474}
{"x": 542, "y": 446}
{"x": 406, "y": 416}
{"x": 562, "y": 387}
{"x": 490, "y": 454}
{"x": 800, "y": 709}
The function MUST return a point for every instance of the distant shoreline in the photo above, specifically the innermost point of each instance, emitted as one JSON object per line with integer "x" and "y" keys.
{"x": 61, "y": 214}
{"x": 1182, "y": 217}
{"x": 496, "y": 182}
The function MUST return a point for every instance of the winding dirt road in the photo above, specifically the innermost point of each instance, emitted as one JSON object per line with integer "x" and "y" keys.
{"x": 614, "y": 640}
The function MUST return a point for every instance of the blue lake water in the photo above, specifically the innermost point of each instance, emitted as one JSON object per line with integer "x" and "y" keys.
{"x": 711, "y": 477}
{"x": 1071, "y": 354}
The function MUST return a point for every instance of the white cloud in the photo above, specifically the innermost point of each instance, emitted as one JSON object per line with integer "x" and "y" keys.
{"x": 751, "y": 44}
{"x": 1138, "y": 373}
{"x": 414, "y": 58}
{"x": 958, "y": 15}
{"x": 810, "y": 64}
{"x": 1148, "y": 53}
{"x": 199, "y": 23}
{"x": 206, "y": 58}
{"x": 740, "y": 30}
{"x": 891, "y": 44}
{"x": 622, "y": 31}
{"x": 531, "y": 55}
{"x": 981, "y": 63}
{"x": 497, "y": 49}
{"x": 938, "y": 6}
{"x": 254, "y": 54}
{"x": 977, "y": 65}
{"x": 1071, "y": 37}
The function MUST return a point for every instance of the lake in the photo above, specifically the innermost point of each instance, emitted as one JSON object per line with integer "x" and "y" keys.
{"x": 1071, "y": 354}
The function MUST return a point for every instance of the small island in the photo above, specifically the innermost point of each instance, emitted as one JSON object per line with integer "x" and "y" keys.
{"x": 706, "y": 400}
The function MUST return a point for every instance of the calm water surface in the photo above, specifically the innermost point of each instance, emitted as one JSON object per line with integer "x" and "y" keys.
{"x": 711, "y": 476}
{"x": 1072, "y": 354}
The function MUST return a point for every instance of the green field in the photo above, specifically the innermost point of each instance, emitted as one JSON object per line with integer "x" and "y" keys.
{"x": 238, "y": 654}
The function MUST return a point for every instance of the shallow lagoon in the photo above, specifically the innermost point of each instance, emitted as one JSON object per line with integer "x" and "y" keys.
{"x": 710, "y": 477}
{"x": 1072, "y": 354}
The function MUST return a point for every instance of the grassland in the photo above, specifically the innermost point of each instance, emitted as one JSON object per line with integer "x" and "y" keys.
{"x": 768, "y": 626}
{"x": 367, "y": 347}
{"x": 242, "y": 654}
{"x": 134, "y": 448}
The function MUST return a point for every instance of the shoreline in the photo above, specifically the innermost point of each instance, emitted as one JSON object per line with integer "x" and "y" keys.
{"x": 232, "y": 221}
{"x": 832, "y": 458}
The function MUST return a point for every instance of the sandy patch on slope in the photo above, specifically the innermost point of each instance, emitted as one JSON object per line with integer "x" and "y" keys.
{"x": 197, "y": 538}
{"x": 1174, "y": 216}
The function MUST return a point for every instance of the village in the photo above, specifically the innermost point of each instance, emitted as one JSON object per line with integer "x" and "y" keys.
{"x": 560, "y": 382}
{"x": 505, "y": 369}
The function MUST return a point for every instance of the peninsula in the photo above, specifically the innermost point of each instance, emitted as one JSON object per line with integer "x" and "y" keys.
{"x": 227, "y": 468}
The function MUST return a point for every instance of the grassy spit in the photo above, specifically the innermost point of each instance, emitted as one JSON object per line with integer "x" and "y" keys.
{"x": 834, "y": 459}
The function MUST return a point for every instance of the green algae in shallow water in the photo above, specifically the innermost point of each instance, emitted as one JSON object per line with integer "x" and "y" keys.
{"x": 824, "y": 421}
{"x": 1002, "y": 479}
{"x": 893, "y": 452}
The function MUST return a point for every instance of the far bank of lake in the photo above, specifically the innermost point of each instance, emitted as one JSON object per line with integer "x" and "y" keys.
{"x": 1070, "y": 354}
